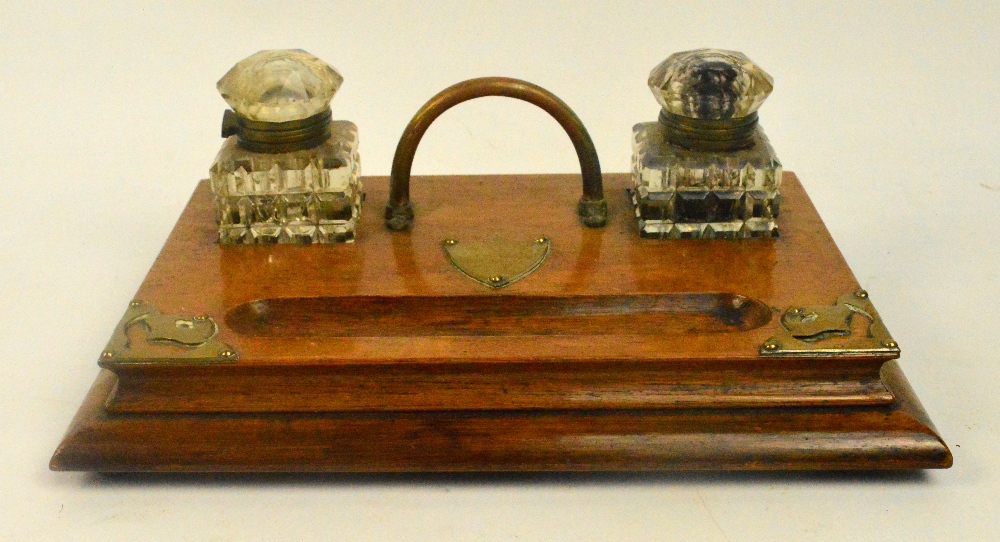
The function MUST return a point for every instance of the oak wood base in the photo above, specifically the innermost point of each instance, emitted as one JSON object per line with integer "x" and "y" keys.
{"x": 898, "y": 436}
{"x": 618, "y": 354}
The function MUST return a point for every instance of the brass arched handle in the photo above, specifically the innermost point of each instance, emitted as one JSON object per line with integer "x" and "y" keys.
{"x": 593, "y": 209}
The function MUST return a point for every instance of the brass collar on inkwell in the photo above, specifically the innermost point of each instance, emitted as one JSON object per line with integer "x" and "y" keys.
{"x": 710, "y": 135}
{"x": 709, "y": 99}
{"x": 277, "y": 137}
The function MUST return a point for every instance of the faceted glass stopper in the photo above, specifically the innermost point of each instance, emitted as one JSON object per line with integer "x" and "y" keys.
{"x": 710, "y": 84}
{"x": 280, "y": 86}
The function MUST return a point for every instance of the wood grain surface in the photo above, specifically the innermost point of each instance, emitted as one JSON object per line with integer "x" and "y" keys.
{"x": 618, "y": 353}
{"x": 609, "y": 321}
{"x": 194, "y": 275}
{"x": 898, "y": 436}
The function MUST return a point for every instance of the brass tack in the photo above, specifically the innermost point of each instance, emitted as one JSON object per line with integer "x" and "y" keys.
{"x": 541, "y": 240}
{"x": 450, "y": 241}
{"x": 495, "y": 280}
{"x": 889, "y": 344}
{"x": 201, "y": 317}
{"x": 770, "y": 346}
{"x": 107, "y": 354}
{"x": 135, "y": 303}
{"x": 227, "y": 354}
{"x": 862, "y": 294}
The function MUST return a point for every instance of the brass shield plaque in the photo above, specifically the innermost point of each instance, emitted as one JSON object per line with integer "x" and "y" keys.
{"x": 497, "y": 262}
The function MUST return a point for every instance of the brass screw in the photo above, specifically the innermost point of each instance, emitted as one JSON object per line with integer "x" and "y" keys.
{"x": 227, "y": 354}
{"x": 450, "y": 242}
{"x": 135, "y": 303}
{"x": 862, "y": 294}
{"x": 889, "y": 344}
{"x": 770, "y": 346}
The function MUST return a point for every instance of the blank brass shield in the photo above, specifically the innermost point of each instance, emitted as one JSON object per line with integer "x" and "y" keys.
{"x": 497, "y": 262}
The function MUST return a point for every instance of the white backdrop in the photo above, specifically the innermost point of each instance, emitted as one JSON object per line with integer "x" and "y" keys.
{"x": 109, "y": 115}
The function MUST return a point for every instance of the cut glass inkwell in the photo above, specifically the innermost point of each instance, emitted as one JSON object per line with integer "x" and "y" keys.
{"x": 705, "y": 169}
{"x": 287, "y": 172}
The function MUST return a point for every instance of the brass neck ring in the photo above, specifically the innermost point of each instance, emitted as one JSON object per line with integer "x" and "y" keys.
{"x": 277, "y": 137}
{"x": 709, "y": 134}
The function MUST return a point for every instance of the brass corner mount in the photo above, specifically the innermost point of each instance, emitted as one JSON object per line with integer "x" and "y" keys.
{"x": 814, "y": 331}
{"x": 146, "y": 336}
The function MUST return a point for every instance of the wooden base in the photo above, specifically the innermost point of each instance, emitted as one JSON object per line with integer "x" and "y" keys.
{"x": 894, "y": 437}
{"x": 618, "y": 353}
